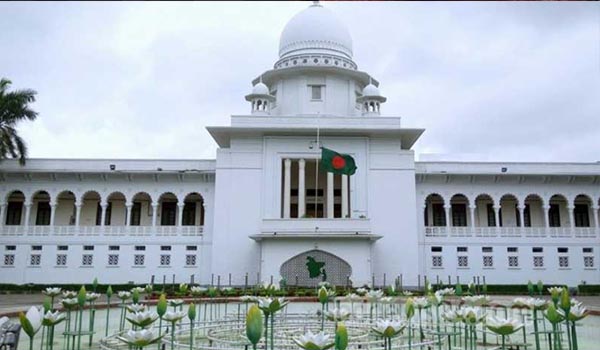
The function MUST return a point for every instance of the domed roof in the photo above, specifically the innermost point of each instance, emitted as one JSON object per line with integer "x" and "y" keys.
{"x": 260, "y": 89}
{"x": 371, "y": 90}
{"x": 315, "y": 30}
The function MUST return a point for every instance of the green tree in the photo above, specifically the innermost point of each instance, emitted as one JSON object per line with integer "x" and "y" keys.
{"x": 14, "y": 107}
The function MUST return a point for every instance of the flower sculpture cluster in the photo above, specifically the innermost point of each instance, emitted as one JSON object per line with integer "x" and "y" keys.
{"x": 389, "y": 317}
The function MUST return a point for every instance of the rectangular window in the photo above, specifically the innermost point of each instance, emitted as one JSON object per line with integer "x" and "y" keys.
{"x": 189, "y": 214}
{"x": 168, "y": 213}
{"x": 562, "y": 250}
{"x": 88, "y": 247}
{"x": 136, "y": 214}
{"x": 190, "y": 260}
{"x": 588, "y": 250}
{"x": 487, "y": 249}
{"x": 9, "y": 259}
{"x": 491, "y": 216}
{"x": 165, "y": 260}
{"x": 316, "y": 92}
{"x": 461, "y": 249}
{"x": 512, "y": 249}
{"x": 436, "y": 249}
{"x": 113, "y": 259}
{"x": 463, "y": 261}
{"x": 538, "y": 261}
{"x": 588, "y": 261}
{"x": 13, "y": 213}
{"x": 459, "y": 215}
{"x": 35, "y": 260}
{"x": 87, "y": 259}
{"x": 439, "y": 214}
{"x": 138, "y": 259}
{"x": 42, "y": 217}
{"x": 10, "y": 247}
{"x": 563, "y": 261}
{"x": 114, "y": 248}
{"x": 582, "y": 215}
{"x": 165, "y": 247}
{"x": 140, "y": 247}
{"x": 191, "y": 247}
{"x": 62, "y": 247}
{"x": 488, "y": 261}
{"x": 436, "y": 261}
{"x": 513, "y": 261}
{"x": 61, "y": 259}
{"x": 36, "y": 247}
{"x": 554, "y": 216}
{"x": 537, "y": 250}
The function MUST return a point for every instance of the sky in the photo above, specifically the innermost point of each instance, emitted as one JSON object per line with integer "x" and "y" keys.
{"x": 497, "y": 81}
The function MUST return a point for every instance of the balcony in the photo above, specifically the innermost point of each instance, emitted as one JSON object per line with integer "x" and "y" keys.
{"x": 350, "y": 228}
{"x": 100, "y": 231}
{"x": 432, "y": 232}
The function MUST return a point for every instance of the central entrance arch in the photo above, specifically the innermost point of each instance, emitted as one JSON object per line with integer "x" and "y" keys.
{"x": 311, "y": 267}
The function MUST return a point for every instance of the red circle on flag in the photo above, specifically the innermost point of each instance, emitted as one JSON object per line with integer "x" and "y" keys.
{"x": 338, "y": 162}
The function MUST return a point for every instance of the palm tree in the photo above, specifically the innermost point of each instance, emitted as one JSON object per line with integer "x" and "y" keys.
{"x": 14, "y": 107}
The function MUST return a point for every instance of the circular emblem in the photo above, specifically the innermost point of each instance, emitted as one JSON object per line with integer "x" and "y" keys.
{"x": 338, "y": 162}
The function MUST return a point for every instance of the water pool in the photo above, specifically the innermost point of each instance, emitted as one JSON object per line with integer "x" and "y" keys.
{"x": 221, "y": 326}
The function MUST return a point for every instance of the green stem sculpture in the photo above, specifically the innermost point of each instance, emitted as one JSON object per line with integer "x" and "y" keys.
{"x": 535, "y": 330}
{"x": 272, "y": 329}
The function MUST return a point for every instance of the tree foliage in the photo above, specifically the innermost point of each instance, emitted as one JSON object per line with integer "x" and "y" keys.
{"x": 14, "y": 107}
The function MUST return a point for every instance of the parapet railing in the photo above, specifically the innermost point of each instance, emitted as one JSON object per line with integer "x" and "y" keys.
{"x": 72, "y": 230}
{"x": 519, "y": 232}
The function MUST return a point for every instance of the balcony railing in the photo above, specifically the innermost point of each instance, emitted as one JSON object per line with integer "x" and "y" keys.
{"x": 517, "y": 232}
{"x": 319, "y": 227}
{"x": 107, "y": 231}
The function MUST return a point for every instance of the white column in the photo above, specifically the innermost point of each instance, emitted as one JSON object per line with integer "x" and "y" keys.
{"x": 595, "y": 210}
{"x": 3, "y": 214}
{"x": 128, "y": 207}
{"x": 571, "y": 210}
{"x": 77, "y": 214}
{"x": 154, "y": 212}
{"x": 27, "y": 213}
{"x": 546, "y": 209}
{"x": 287, "y": 184}
{"x": 330, "y": 195}
{"x": 103, "y": 207}
{"x": 497, "y": 215}
{"x": 472, "y": 214}
{"x": 521, "y": 215}
{"x": 301, "y": 188}
{"x": 180, "y": 214}
{"x": 52, "y": 213}
{"x": 345, "y": 196}
{"x": 448, "y": 209}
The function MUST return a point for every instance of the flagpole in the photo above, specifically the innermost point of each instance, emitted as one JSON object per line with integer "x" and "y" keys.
{"x": 317, "y": 167}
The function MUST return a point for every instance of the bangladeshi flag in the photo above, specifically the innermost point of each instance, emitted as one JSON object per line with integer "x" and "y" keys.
{"x": 333, "y": 162}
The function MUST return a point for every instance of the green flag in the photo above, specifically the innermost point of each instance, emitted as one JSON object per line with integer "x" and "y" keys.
{"x": 333, "y": 162}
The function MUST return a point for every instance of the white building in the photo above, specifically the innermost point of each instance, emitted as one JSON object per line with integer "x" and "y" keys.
{"x": 259, "y": 211}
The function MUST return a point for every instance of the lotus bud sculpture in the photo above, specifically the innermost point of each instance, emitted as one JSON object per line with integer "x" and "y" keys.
{"x": 31, "y": 323}
{"x": 254, "y": 325}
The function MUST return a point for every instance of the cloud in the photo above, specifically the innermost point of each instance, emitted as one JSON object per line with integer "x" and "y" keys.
{"x": 508, "y": 81}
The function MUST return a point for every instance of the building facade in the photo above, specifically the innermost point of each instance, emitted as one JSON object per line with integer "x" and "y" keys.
{"x": 263, "y": 210}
